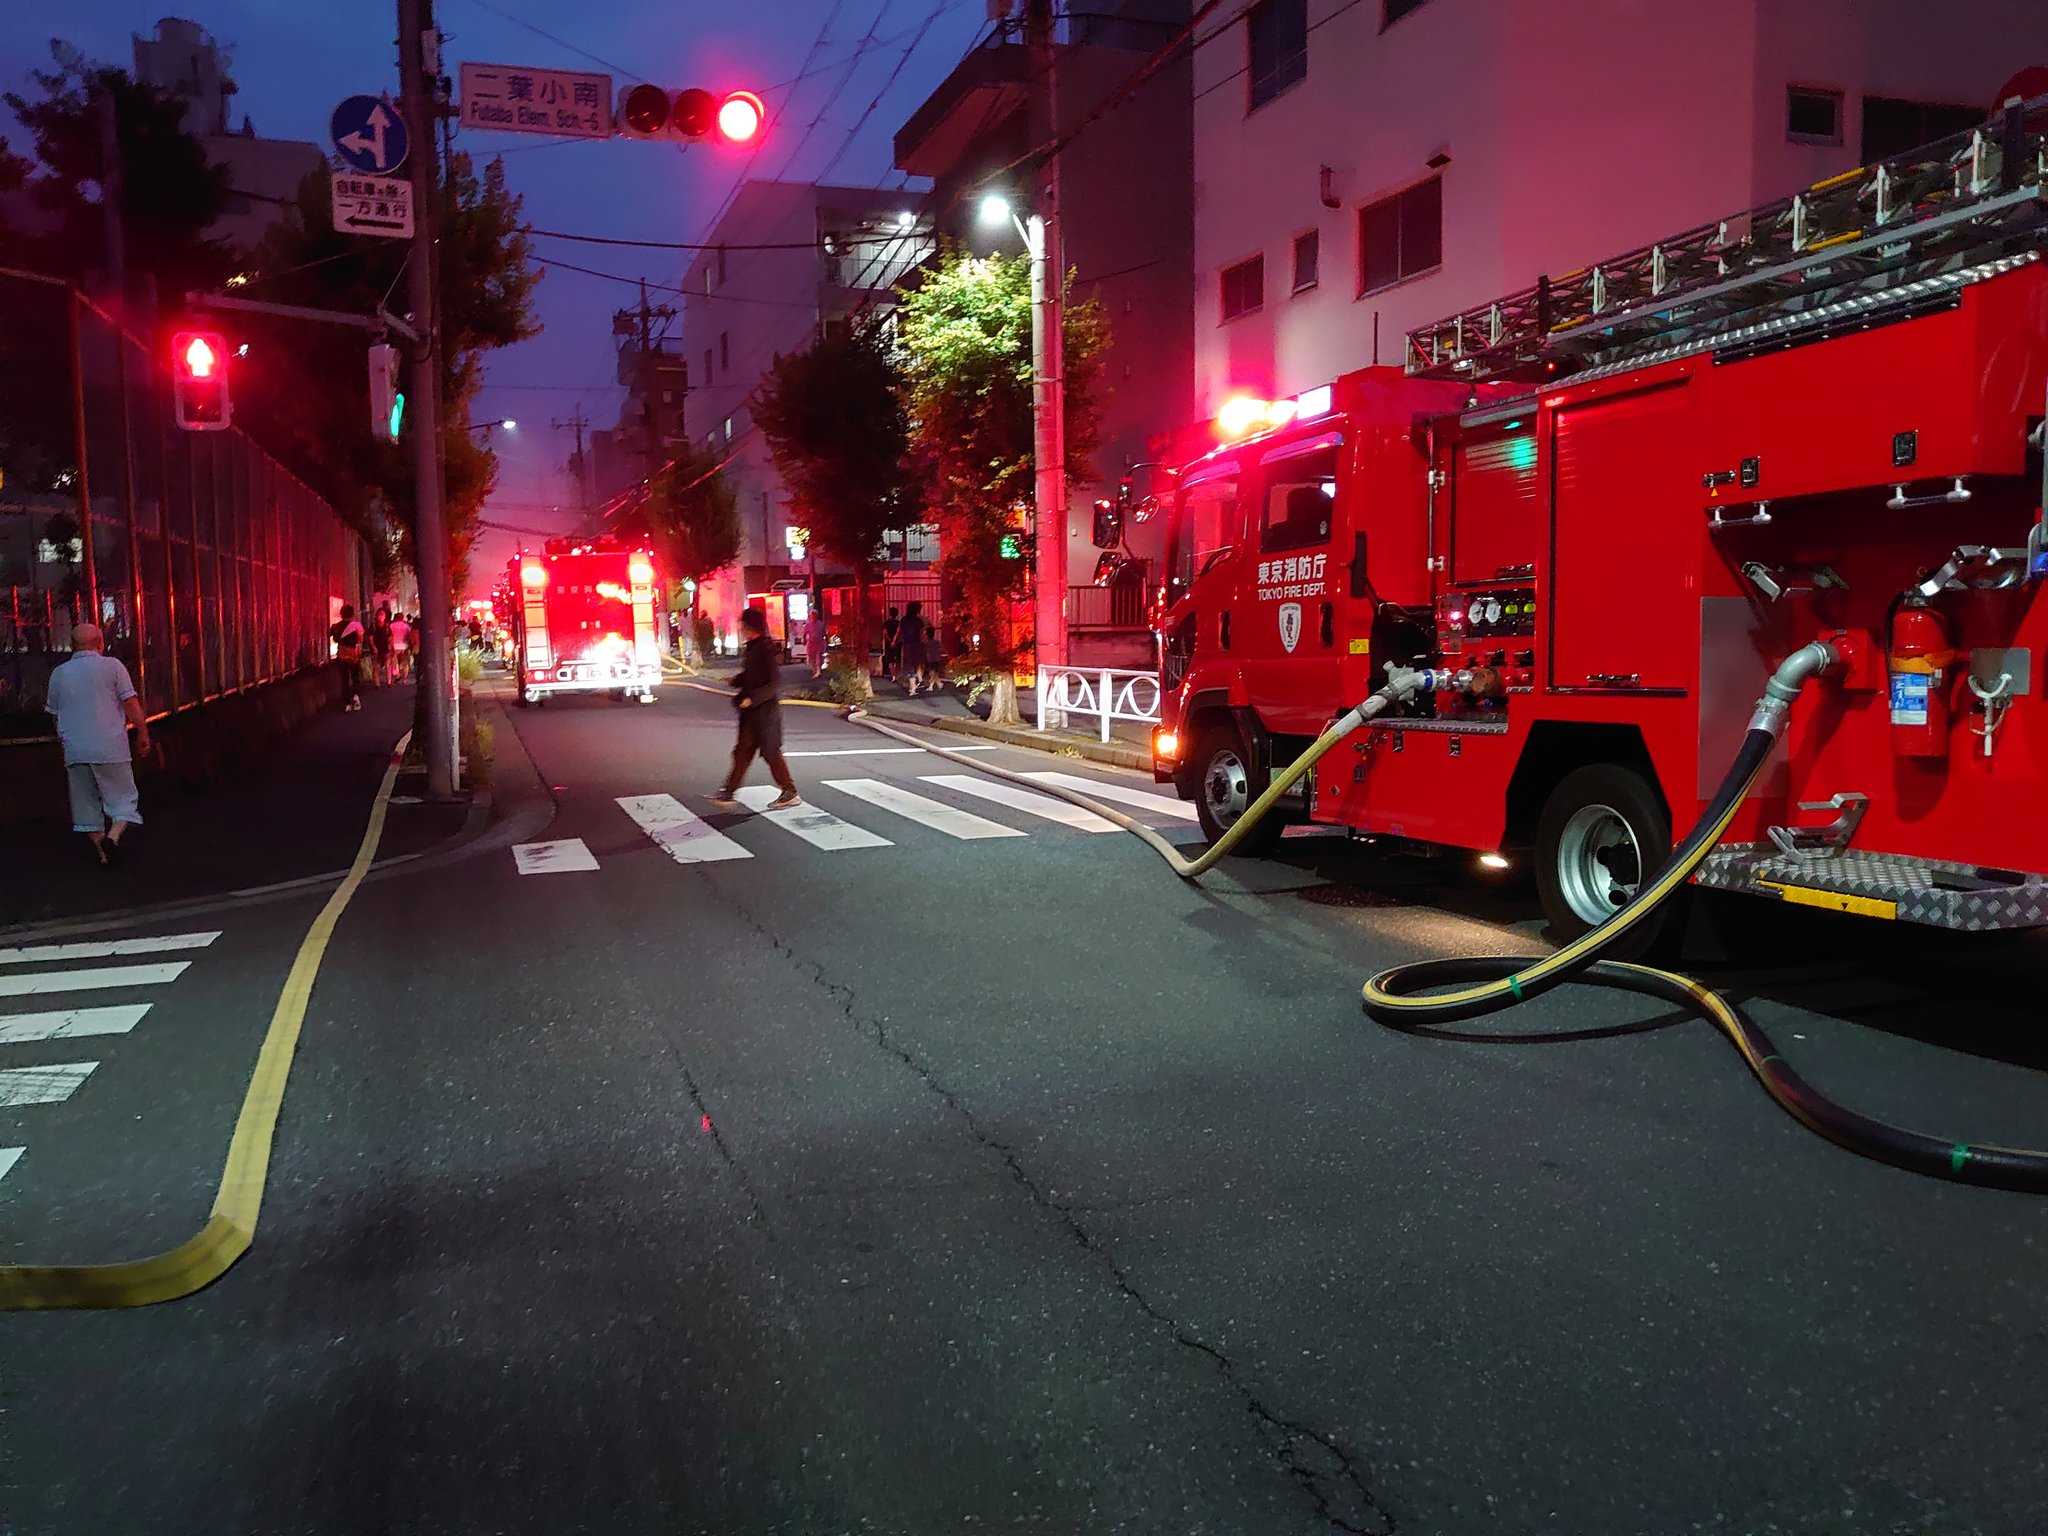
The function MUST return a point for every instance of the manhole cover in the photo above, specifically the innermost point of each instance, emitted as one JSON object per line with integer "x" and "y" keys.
{"x": 1348, "y": 896}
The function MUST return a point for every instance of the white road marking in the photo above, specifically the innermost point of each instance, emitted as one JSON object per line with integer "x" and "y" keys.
{"x": 884, "y": 751}
{"x": 560, "y": 857}
{"x": 85, "y": 981}
{"x": 42, "y": 953}
{"x": 1165, "y": 805}
{"x": 931, "y": 813}
{"x": 1022, "y": 800}
{"x": 22, "y": 1086}
{"x": 681, "y": 834}
{"x": 70, "y": 1023}
{"x": 821, "y": 829}
{"x": 9, "y": 1156}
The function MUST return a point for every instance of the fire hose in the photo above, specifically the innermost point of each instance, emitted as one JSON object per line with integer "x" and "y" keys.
{"x": 1481, "y": 984}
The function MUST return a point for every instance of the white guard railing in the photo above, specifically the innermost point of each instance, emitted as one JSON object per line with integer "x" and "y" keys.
{"x": 1099, "y": 691}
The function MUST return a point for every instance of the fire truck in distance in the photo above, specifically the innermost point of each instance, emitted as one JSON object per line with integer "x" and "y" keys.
{"x": 585, "y": 619}
{"x": 1607, "y": 506}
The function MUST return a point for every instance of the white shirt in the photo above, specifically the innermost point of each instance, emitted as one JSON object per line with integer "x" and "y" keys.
{"x": 86, "y": 694}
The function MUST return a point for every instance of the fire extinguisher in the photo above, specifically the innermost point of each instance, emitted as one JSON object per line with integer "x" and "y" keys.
{"x": 1921, "y": 653}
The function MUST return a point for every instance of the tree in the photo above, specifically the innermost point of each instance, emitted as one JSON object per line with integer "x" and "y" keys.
{"x": 690, "y": 515}
{"x": 170, "y": 194}
{"x": 833, "y": 417}
{"x": 966, "y": 338}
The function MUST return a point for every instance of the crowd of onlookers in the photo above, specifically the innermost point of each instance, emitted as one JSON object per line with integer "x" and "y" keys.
{"x": 384, "y": 646}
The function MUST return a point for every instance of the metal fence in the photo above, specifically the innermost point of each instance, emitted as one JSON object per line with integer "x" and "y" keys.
{"x": 209, "y": 565}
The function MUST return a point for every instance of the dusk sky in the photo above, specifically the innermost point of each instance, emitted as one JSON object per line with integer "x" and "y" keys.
{"x": 294, "y": 59}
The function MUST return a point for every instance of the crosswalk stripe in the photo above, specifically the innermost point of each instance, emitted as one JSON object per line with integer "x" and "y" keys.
{"x": 70, "y": 1023}
{"x": 37, "y": 954}
{"x": 1022, "y": 800}
{"x": 22, "y": 1086}
{"x": 9, "y": 1156}
{"x": 683, "y": 836}
{"x": 1122, "y": 794}
{"x": 84, "y": 981}
{"x": 563, "y": 856}
{"x": 931, "y": 813}
{"x": 821, "y": 829}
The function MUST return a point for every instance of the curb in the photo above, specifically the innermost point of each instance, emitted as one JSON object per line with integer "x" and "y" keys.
{"x": 1116, "y": 754}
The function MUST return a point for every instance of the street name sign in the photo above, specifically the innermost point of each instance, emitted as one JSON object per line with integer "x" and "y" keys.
{"x": 515, "y": 99}
{"x": 372, "y": 205}
{"x": 369, "y": 135}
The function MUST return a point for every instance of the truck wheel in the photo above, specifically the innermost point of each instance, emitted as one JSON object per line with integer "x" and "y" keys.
{"x": 1227, "y": 781}
{"x": 1602, "y": 834}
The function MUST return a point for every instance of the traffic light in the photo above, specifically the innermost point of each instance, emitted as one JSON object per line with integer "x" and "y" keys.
{"x": 199, "y": 380}
{"x": 387, "y": 400}
{"x": 650, "y": 112}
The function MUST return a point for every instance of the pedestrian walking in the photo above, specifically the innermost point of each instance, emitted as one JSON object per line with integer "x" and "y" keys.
{"x": 892, "y": 643}
{"x": 401, "y": 648}
{"x": 380, "y": 648}
{"x": 820, "y": 641}
{"x": 934, "y": 660}
{"x": 910, "y": 646}
{"x": 757, "y": 699}
{"x": 347, "y": 635}
{"x": 93, "y": 699}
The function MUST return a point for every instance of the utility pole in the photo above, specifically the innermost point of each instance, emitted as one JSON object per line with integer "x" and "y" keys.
{"x": 640, "y": 323}
{"x": 578, "y": 467}
{"x": 416, "y": 46}
{"x": 1048, "y": 349}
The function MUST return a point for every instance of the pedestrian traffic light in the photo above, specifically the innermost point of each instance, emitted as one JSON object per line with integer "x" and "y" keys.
{"x": 650, "y": 112}
{"x": 387, "y": 400}
{"x": 199, "y": 380}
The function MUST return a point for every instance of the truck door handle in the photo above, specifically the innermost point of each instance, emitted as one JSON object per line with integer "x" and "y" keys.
{"x": 1223, "y": 630}
{"x": 1329, "y": 628}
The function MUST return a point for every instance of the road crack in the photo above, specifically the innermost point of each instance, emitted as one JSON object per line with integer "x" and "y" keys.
{"x": 1329, "y": 1476}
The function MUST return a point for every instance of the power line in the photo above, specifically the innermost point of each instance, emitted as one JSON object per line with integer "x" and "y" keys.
{"x": 581, "y": 53}
{"x": 1222, "y": 27}
{"x": 727, "y": 298}
{"x": 706, "y": 245}
{"x": 895, "y": 74}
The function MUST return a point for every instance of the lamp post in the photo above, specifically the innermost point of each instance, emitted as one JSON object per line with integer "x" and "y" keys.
{"x": 1048, "y": 432}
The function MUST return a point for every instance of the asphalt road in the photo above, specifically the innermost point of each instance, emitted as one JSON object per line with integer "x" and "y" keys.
{"x": 873, "y": 1177}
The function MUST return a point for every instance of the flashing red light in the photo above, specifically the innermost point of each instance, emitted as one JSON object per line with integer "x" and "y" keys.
{"x": 740, "y": 117}
{"x": 199, "y": 358}
{"x": 539, "y": 674}
{"x": 641, "y": 571}
{"x": 533, "y": 576}
{"x": 199, "y": 380}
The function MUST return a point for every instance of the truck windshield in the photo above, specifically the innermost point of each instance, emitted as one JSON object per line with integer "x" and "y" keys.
{"x": 1203, "y": 527}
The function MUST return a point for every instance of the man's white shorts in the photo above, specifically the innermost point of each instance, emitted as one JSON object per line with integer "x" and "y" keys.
{"x": 100, "y": 793}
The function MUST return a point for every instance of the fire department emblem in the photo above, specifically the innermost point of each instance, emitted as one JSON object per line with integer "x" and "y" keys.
{"x": 1290, "y": 625}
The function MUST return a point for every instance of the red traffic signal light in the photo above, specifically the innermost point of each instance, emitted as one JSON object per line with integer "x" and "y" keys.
{"x": 199, "y": 380}
{"x": 649, "y": 112}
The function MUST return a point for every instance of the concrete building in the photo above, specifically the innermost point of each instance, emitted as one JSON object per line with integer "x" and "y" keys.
{"x": 842, "y": 252}
{"x": 1364, "y": 167}
{"x": 264, "y": 175}
{"x": 1126, "y": 210}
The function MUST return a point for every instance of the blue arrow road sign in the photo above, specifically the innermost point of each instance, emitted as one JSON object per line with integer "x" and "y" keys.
{"x": 369, "y": 135}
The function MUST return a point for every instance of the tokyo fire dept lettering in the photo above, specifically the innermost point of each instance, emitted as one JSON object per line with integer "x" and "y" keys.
{"x": 1297, "y": 576}
{"x": 1290, "y": 626}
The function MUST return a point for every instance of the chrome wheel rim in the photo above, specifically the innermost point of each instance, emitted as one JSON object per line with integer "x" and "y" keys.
{"x": 1224, "y": 788}
{"x": 1599, "y": 863}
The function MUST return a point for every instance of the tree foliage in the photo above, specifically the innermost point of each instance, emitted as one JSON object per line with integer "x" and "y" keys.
{"x": 965, "y": 333}
{"x": 833, "y": 417}
{"x": 690, "y": 515}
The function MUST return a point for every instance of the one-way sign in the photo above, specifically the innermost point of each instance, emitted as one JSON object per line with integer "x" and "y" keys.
{"x": 372, "y": 205}
{"x": 369, "y": 135}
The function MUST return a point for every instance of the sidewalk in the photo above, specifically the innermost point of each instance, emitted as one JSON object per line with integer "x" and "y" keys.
{"x": 297, "y": 811}
{"x": 1129, "y": 746}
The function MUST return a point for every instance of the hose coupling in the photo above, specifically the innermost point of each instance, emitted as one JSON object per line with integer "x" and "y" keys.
{"x": 1809, "y": 661}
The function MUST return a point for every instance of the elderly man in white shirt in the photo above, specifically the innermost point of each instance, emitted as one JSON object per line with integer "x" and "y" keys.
{"x": 94, "y": 701}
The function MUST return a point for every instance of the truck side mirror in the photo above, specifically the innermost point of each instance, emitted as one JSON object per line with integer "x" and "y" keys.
{"x": 1107, "y": 531}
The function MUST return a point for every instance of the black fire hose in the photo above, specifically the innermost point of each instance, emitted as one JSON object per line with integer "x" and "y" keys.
{"x": 1488, "y": 983}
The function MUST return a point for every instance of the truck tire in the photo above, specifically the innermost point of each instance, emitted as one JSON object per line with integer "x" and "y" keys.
{"x": 1602, "y": 833}
{"x": 1228, "y": 779}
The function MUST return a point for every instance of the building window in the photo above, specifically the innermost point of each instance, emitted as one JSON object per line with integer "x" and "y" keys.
{"x": 1401, "y": 236}
{"x": 1812, "y": 115}
{"x": 1307, "y": 259}
{"x": 1276, "y": 40}
{"x": 1244, "y": 287}
{"x": 1892, "y": 127}
{"x": 1392, "y": 11}
{"x": 725, "y": 351}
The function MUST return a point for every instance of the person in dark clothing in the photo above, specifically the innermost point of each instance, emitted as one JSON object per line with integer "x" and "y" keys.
{"x": 910, "y": 642}
{"x": 892, "y": 649}
{"x": 757, "y": 699}
{"x": 347, "y": 635}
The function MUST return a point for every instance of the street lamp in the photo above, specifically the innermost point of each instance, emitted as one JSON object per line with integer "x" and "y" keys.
{"x": 488, "y": 427}
{"x": 1049, "y": 429}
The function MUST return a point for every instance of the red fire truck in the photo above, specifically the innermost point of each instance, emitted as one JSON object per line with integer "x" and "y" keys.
{"x": 585, "y": 620}
{"x": 1606, "y": 506}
